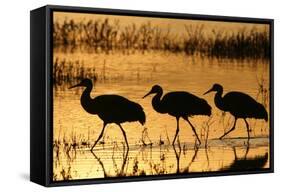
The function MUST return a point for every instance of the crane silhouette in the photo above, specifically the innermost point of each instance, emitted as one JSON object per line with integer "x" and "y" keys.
{"x": 240, "y": 105}
{"x": 179, "y": 104}
{"x": 110, "y": 108}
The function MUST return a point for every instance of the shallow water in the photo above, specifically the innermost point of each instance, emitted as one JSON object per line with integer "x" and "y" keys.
{"x": 132, "y": 76}
{"x": 110, "y": 160}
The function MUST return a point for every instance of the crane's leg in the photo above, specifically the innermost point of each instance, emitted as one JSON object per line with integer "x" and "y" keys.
{"x": 248, "y": 129}
{"x": 193, "y": 129}
{"x": 234, "y": 125}
{"x": 177, "y": 158}
{"x": 125, "y": 158}
{"x": 124, "y": 134}
{"x": 177, "y": 131}
{"x": 101, "y": 164}
{"x": 100, "y": 136}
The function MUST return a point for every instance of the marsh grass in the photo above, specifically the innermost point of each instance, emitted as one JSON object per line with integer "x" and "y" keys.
{"x": 67, "y": 72}
{"x": 205, "y": 130}
{"x": 71, "y": 71}
{"x": 145, "y": 137}
{"x": 263, "y": 91}
{"x": 105, "y": 35}
{"x": 263, "y": 96}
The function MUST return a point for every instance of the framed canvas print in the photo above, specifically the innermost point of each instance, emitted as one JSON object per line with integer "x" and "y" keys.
{"x": 119, "y": 95}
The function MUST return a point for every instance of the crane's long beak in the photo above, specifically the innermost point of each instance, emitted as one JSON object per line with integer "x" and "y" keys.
{"x": 74, "y": 86}
{"x": 208, "y": 91}
{"x": 147, "y": 94}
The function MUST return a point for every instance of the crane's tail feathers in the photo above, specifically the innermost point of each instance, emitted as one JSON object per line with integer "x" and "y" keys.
{"x": 208, "y": 109}
{"x": 141, "y": 117}
{"x": 263, "y": 113}
{"x": 202, "y": 108}
{"x": 142, "y": 120}
{"x": 209, "y": 113}
{"x": 266, "y": 117}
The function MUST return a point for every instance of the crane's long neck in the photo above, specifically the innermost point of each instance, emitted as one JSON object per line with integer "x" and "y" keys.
{"x": 156, "y": 102}
{"x": 219, "y": 99}
{"x": 86, "y": 101}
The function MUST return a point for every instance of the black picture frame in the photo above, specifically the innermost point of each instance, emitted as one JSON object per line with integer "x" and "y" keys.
{"x": 41, "y": 114}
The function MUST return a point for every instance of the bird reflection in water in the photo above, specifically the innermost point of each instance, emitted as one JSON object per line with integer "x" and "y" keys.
{"x": 121, "y": 171}
{"x": 246, "y": 163}
{"x": 178, "y": 154}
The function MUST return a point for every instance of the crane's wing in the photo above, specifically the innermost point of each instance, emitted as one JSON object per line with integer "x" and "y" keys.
{"x": 238, "y": 100}
{"x": 186, "y": 103}
{"x": 116, "y": 108}
{"x": 243, "y": 105}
